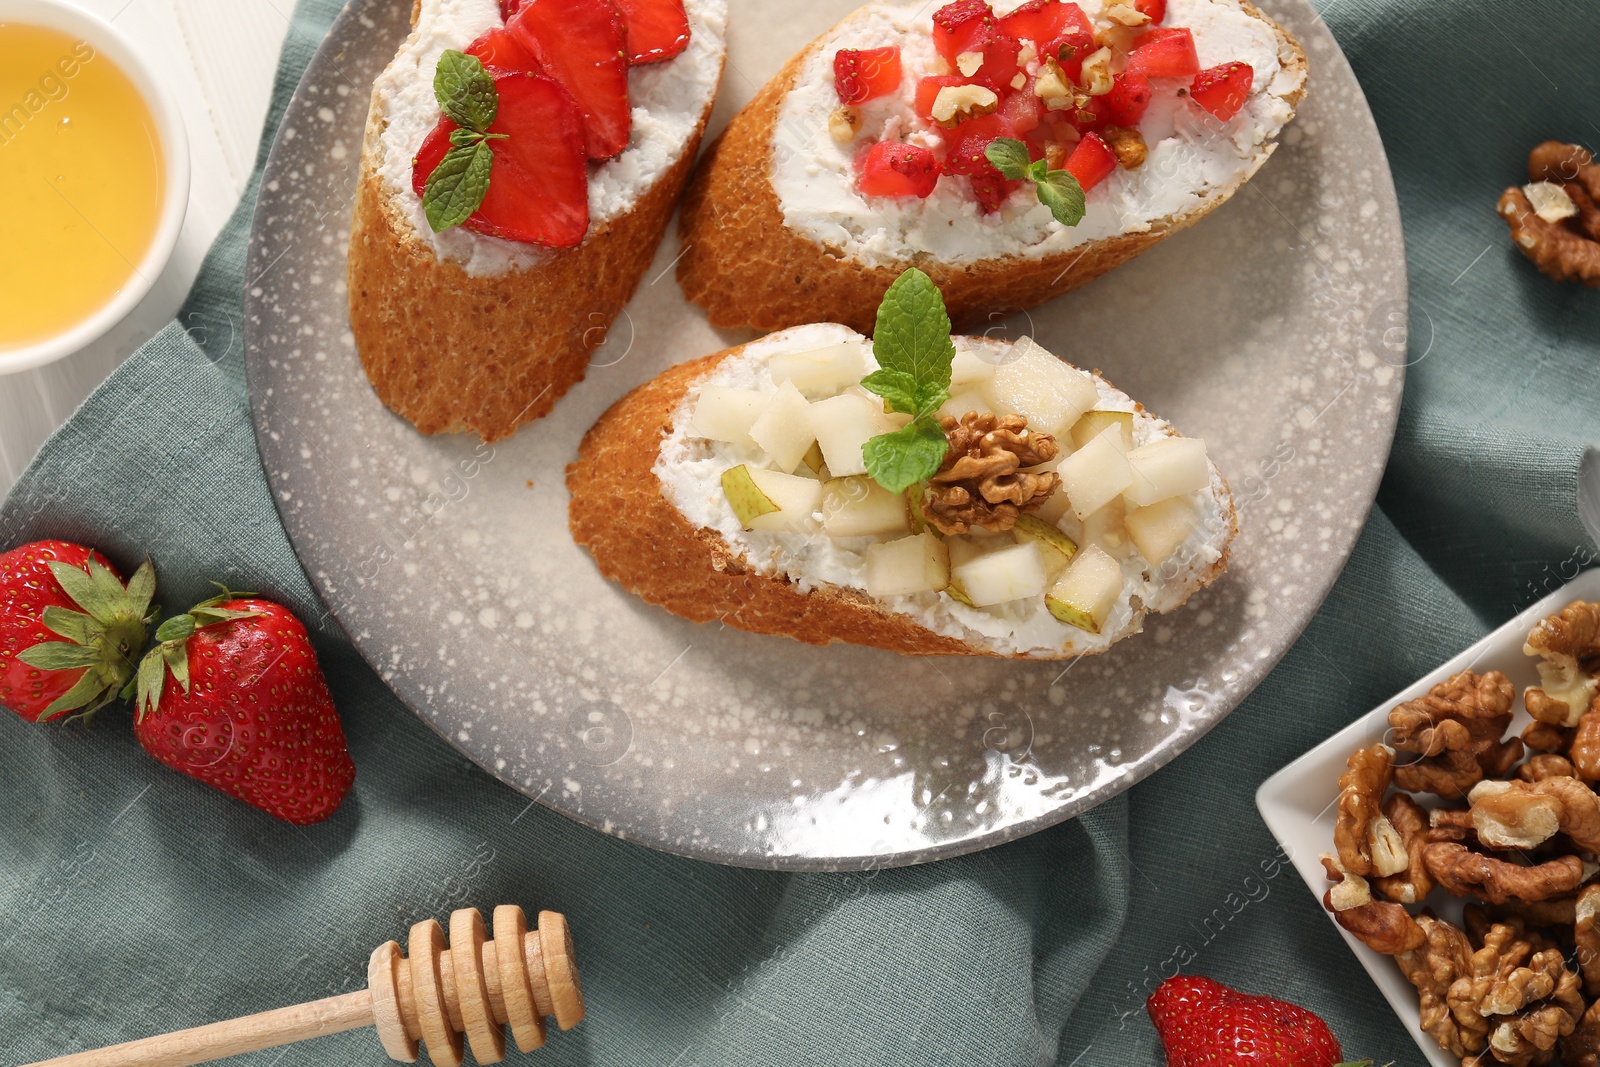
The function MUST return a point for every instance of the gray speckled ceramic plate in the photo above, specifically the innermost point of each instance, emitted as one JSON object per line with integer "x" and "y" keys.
{"x": 1275, "y": 330}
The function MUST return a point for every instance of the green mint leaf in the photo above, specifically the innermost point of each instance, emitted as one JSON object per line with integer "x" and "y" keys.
{"x": 1039, "y": 170}
{"x": 1061, "y": 193}
{"x": 907, "y": 456}
{"x": 465, "y": 91}
{"x": 457, "y": 185}
{"x": 1008, "y": 156}
{"x": 912, "y": 339}
{"x": 463, "y": 138}
{"x": 898, "y": 389}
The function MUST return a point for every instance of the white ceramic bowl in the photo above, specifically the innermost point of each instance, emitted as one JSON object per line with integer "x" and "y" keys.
{"x": 107, "y": 40}
{"x": 1297, "y": 802}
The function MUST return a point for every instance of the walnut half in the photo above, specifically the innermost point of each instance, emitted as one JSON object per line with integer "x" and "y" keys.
{"x": 983, "y": 481}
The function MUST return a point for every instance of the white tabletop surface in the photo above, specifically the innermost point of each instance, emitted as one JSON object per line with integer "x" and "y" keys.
{"x": 219, "y": 57}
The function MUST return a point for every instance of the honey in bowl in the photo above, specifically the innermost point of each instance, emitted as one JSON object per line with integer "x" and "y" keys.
{"x": 81, "y": 182}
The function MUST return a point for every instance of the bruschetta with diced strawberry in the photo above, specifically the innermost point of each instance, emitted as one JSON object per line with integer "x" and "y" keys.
{"x": 1011, "y": 150}
{"x": 520, "y": 163}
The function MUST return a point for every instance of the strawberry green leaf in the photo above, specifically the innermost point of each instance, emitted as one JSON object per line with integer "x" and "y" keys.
{"x": 465, "y": 91}
{"x": 142, "y": 588}
{"x": 177, "y": 628}
{"x": 909, "y": 455}
{"x": 59, "y": 656}
{"x": 89, "y": 694}
{"x": 457, "y": 185}
{"x": 75, "y": 626}
{"x": 88, "y": 594}
{"x": 152, "y": 676}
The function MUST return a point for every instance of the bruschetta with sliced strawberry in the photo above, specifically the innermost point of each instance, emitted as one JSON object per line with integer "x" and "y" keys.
{"x": 916, "y": 492}
{"x": 1011, "y": 150}
{"x": 520, "y": 163}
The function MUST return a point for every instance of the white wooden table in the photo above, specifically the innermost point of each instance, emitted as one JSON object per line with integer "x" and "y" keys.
{"x": 219, "y": 57}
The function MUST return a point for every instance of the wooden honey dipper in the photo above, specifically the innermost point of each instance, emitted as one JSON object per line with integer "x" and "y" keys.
{"x": 471, "y": 988}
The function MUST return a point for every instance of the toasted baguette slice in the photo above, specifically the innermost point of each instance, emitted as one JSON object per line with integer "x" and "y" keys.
{"x": 646, "y": 501}
{"x": 775, "y": 233}
{"x": 462, "y": 332}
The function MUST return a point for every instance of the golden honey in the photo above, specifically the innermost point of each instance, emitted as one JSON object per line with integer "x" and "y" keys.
{"x": 81, "y": 182}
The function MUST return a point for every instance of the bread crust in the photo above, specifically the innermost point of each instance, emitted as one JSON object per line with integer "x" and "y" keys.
{"x": 746, "y": 267}
{"x": 453, "y": 352}
{"x": 643, "y": 543}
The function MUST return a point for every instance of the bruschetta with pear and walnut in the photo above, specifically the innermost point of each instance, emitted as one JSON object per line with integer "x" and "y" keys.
{"x": 917, "y": 492}
{"x": 520, "y": 163}
{"x": 1012, "y": 151}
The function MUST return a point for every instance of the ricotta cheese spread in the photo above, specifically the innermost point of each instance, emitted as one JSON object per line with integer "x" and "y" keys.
{"x": 668, "y": 101}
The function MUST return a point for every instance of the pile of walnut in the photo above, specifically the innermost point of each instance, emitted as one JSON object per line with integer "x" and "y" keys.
{"x": 1555, "y": 219}
{"x": 1520, "y": 984}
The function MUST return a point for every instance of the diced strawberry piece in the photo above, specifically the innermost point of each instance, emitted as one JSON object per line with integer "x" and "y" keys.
{"x": 1070, "y": 49}
{"x": 1042, "y": 21}
{"x": 502, "y": 53}
{"x": 1093, "y": 115}
{"x": 1022, "y": 109}
{"x": 539, "y": 184}
{"x": 1223, "y": 90}
{"x": 965, "y": 148}
{"x": 992, "y": 190}
{"x": 582, "y": 44}
{"x": 890, "y": 168}
{"x": 1165, "y": 53}
{"x": 1128, "y": 99}
{"x": 1154, "y": 10}
{"x": 959, "y": 26}
{"x": 1000, "y": 66}
{"x": 1091, "y": 162}
{"x": 862, "y": 74}
{"x": 509, "y": 8}
{"x": 657, "y": 29}
{"x": 928, "y": 91}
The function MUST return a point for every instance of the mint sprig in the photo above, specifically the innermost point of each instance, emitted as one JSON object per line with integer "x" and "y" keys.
{"x": 1058, "y": 190}
{"x": 914, "y": 352}
{"x": 467, "y": 96}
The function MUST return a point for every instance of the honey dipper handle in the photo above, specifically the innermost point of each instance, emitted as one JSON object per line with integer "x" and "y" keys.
{"x": 232, "y": 1038}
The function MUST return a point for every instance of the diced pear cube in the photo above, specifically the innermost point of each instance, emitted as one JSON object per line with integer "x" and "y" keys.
{"x": 724, "y": 413}
{"x": 823, "y": 371}
{"x": 1085, "y": 594}
{"x": 962, "y": 402}
{"x": 843, "y": 424}
{"x": 859, "y": 507}
{"x": 1096, "y": 473}
{"x": 783, "y": 430}
{"x": 1105, "y": 527}
{"x": 771, "y": 500}
{"x": 1008, "y": 573}
{"x": 1167, "y": 467}
{"x": 1094, "y": 422}
{"x": 1033, "y": 383}
{"x": 1055, "y": 547}
{"x": 916, "y": 564}
{"x": 969, "y": 367}
{"x": 1158, "y": 530}
{"x": 1057, "y": 505}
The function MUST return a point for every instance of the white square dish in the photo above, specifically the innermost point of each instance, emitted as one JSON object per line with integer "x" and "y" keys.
{"x": 1297, "y": 802}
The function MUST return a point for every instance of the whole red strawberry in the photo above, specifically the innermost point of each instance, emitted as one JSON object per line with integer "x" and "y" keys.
{"x": 1205, "y": 1024}
{"x": 232, "y": 696}
{"x": 70, "y": 631}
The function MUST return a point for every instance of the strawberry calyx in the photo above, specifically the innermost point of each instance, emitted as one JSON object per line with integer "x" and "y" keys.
{"x": 171, "y": 650}
{"x": 104, "y": 638}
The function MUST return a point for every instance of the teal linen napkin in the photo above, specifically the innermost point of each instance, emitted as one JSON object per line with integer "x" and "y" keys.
{"x": 134, "y": 901}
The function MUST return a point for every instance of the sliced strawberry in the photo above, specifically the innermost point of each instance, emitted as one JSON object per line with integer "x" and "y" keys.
{"x": 657, "y": 29}
{"x": 890, "y": 168}
{"x": 509, "y": 8}
{"x": 1070, "y": 49}
{"x": 582, "y": 44}
{"x": 960, "y": 27}
{"x": 1023, "y": 110}
{"x": 539, "y": 184}
{"x": 992, "y": 190}
{"x": 1091, "y": 162}
{"x": 1223, "y": 90}
{"x": 1154, "y": 10}
{"x": 862, "y": 74}
{"x": 1165, "y": 53}
{"x": 928, "y": 91}
{"x": 968, "y": 141}
{"x": 501, "y": 53}
{"x": 1042, "y": 21}
{"x": 1128, "y": 99}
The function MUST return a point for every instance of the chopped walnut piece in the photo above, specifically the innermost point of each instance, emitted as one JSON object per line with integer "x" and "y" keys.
{"x": 1126, "y": 144}
{"x": 1465, "y": 873}
{"x": 1519, "y": 984}
{"x": 1564, "y": 248}
{"x": 1382, "y": 925}
{"x": 982, "y": 482}
{"x": 1586, "y": 936}
{"x": 1581, "y": 1048}
{"x": 1585, "y": 748}
{"x": 1542, "y": 765}
{"x": 1512, "y": 815}
{"x": 1451, "y": 824}
{"x": 1412, "y": 884}
{"x": 844, "y": 123}
{"x": 1456, "y": 729}
{"x": 1553, "y": 917}
{"x": 1352, "y": 890}
{"x": 1433, "y": 968}
{"x": 1544, "y": 737}
{"x": 1568, "y": 646}
{"x": 1366, "y": 841}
